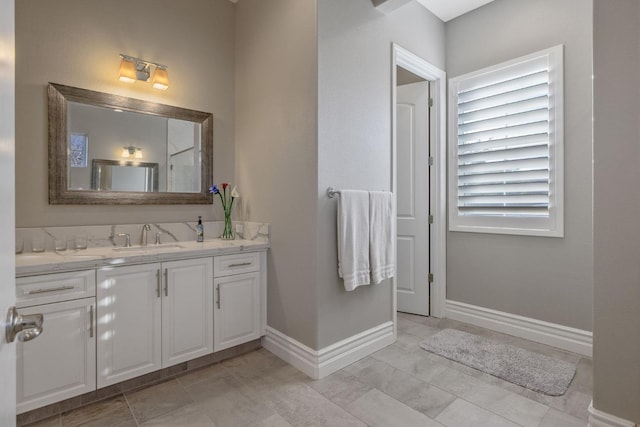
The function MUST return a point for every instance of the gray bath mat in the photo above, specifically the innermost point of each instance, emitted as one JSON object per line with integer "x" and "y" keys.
{"x": 534, "y": 371}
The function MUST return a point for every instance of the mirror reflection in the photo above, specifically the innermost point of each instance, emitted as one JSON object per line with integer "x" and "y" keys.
{"x": 131, "y": 137}
{"x": 110, "y": 149}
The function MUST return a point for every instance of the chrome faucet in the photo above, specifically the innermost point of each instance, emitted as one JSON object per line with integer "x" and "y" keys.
{"x": 143, "y": 238}
{"x": 127, "y": 242}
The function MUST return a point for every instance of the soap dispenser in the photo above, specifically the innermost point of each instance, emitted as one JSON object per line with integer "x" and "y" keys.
{"x": 199, "y": 230}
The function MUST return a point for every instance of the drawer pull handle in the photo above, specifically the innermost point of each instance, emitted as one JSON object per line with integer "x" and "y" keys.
{"x": 241, "y": 264}
{"x": 91, "y": 322}
{"x": 166, "y": 282}
{"x": 42, "y": 291}
{"x": 158, "y": 283}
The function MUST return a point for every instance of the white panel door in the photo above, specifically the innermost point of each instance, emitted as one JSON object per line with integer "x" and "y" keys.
{"x": 61, "y": 362}
{"x": 412, "y": 138}
{"x": 237, "y": 310}
{"x": 129, "y": 324}
{"x": 7, "y": 208}
{"x": 187, "y": 310}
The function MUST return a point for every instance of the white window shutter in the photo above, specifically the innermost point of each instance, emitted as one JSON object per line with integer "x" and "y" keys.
{"x": 506, "y": 147}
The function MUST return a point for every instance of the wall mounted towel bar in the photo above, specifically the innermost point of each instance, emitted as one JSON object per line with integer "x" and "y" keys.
{"x": 331, "y": 192}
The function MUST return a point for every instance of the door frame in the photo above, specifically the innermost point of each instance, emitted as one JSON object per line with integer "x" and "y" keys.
{"x": 437, "y": 173}
{"x": 7, "y": 230}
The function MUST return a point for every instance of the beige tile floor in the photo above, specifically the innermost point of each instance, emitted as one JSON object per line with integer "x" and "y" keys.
{"x": 401, "y": 385}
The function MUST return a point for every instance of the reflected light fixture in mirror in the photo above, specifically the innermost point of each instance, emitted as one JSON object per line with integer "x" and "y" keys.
{"x": 133, "y": 69}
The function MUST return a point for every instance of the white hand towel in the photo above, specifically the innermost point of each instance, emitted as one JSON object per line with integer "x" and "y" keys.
{"x": 382, "y": 235}
{"x": 353, "y": 238}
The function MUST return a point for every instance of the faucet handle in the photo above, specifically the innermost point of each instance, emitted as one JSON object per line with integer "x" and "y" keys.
{"x": 158, "y": 234}
{"x": 127, "y": 236}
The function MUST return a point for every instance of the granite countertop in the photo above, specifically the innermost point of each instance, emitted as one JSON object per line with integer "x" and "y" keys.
{"x": 51, "y": 262}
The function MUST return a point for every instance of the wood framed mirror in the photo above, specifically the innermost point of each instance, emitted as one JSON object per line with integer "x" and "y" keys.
{"x": 85, "y": 126}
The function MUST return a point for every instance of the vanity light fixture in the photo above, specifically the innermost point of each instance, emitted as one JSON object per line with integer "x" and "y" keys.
{"x": 132, "y": 69}
{"x": 131, "y": 151}
{"x": 161, "y": 78}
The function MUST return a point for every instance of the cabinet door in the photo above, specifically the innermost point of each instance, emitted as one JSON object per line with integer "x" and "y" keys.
{"x": 61, "y": 362}
{"x": 187, "y": 310}
{"x": 237, "y": 311}
{"x": 129, "y": 304}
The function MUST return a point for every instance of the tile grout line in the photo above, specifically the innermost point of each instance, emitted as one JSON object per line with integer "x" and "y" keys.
{"x": 271, "y": 404}
{"x": 493, "y": 413}
{"x": 413, "y": 376}
{"x": 545, "y": 415}
{"x": 135, "y": 419}
{"x": 163, "y": 380}
{"x": 402, "y": 403}
{"x": 419, "y": 379}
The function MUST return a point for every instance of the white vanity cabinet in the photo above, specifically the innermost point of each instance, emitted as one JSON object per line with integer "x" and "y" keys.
{"x": 152, "y": 316}
{"x": 61, "y": 362}
{"x": 117, "y": 318}
{"x": 238, "y": 308}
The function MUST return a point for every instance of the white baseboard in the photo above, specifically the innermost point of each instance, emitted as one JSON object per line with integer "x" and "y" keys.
{"x": 602, "y": 419}
{"x": 564, "y": 337}
{"x": 320, "y": 363}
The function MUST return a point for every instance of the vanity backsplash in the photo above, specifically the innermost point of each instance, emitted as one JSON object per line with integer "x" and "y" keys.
{"x": 101, "y": 236}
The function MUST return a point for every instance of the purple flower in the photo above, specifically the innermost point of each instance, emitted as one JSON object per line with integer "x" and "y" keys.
{"x": 214, "y": 189}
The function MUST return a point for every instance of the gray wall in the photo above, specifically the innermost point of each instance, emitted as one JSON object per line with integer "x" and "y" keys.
{"x": 543, "y": 278}
{"x": 354, "y": 136}
{"x": 276, "y": 150}
{"x": 323, "y": 119}
{"x": 616, "y": 208}
{"x": 77, "y": 42}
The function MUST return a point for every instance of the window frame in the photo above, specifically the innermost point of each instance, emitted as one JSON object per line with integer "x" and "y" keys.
{"x": 549, "y": 226}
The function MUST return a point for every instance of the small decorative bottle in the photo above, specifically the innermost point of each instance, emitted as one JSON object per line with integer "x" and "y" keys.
{"x": 199, "y": 230}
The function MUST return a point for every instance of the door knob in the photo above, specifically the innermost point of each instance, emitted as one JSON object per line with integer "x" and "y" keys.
{"x": 25, "y": 327}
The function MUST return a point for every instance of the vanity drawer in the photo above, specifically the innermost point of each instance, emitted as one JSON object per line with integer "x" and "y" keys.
{"x": 48, "y": 288}
{"x": 226, "y": 265}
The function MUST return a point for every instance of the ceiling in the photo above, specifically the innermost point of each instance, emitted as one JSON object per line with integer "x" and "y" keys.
{"x": 446, "y": 9}
{"x": 449, "y": 9}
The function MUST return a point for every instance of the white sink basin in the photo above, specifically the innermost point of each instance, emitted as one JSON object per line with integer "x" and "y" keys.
{"x": 150, "y": 248}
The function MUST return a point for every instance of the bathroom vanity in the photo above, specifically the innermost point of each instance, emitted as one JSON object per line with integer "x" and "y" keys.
{"x": 112, "y": 313}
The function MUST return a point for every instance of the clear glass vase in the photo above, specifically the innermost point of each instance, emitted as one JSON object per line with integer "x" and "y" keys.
{"x": 227, "y": 232}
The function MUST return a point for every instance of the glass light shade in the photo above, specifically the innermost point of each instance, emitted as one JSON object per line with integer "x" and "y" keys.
{"x": 125, "y": 152}
{"x": 138, "y": 154}
{"x": 161, "y": 79}
{"x": 127, "y": 71}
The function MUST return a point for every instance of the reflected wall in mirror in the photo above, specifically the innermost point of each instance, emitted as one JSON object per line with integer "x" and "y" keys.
{"x": 114, "y": 175}
{"x": 87, "y": 126}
